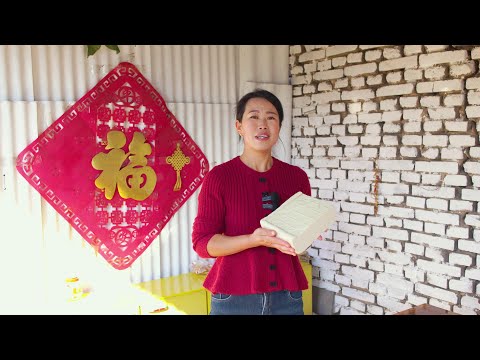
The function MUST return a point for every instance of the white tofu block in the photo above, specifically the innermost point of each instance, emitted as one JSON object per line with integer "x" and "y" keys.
{"x": 300, "y": 220}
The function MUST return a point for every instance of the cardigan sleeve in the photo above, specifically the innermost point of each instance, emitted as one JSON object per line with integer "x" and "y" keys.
{"x": 305, "y": 182}
{"x": 210, "y": 219}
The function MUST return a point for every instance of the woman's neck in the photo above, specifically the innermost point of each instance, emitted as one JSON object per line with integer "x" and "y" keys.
{"x": 257, "y": 162}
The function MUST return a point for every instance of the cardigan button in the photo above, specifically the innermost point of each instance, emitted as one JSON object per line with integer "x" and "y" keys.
{"x": 273, "y": 267}
{"x": 271, "y": 250}
{"x": 273, "y": 283}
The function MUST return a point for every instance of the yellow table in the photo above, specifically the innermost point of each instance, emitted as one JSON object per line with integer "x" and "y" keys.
{"x": 185, "y": 293}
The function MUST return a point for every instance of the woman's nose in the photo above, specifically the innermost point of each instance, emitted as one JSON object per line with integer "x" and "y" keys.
{"x": 262, "y": 123}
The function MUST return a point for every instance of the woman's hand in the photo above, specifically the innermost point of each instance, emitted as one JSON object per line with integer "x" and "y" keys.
{"x": 265, "y": 237}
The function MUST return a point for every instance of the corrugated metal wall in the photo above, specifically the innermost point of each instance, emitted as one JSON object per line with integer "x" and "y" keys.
{"x": 200, "y": 84}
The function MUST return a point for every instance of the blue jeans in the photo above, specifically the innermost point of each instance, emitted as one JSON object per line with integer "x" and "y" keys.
{"x": 272, "y": 303}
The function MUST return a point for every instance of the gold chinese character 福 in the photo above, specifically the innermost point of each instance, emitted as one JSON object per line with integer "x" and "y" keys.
{"x": 136, "y": 180}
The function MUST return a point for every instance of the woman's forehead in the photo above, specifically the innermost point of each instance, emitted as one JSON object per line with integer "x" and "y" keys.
{"x": 260, "y": 104}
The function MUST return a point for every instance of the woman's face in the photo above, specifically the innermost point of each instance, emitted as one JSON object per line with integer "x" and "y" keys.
{"x": 260, "y": 126}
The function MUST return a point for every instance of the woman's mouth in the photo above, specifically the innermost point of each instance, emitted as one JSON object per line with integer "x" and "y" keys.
{"x": 262, "y": 137}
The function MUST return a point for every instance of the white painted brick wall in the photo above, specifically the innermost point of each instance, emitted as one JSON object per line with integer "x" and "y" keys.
{"x": 412, "y": 112}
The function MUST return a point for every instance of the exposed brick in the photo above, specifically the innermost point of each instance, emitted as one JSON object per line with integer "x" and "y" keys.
{"x": 434, "y": 48}
{"x": 471, "y": 302}
{"x": 413, "y": 114}
{"x": 355, "y": 57}
{"x": 438, "y": 217}
{"x": 475, "y": 54}
{"x": 473, "y": 220}
{"x": 340, "y": 49}
{"x": 436, "y": 73}
{"x": 462, "y": 69}
{"x": 430, "y": 153}
{"x": 456, "y": 126}
{"x": 437, "y": 280}
{"x": 328, "y": 75}
{"x": 470, "y": 246}
{"x": 450, "y": 57}
{"x": 458, "y": 232}
{"x": 374, "y": 80}
{"x": 439, "y": 268}
{"x": 357, "y": 294}
{"x": 392, "y": 90}
{"x": 409, "y": 62}
{"x": 390, "y": 116}
{"x": 408, "y": 101}
{"x": 475, "y": 152}
{"x": 326, "y": 97}
{"x": 440, "y": 86}
{"x": 355, "y": 70}
{"x": 437, "y": 166}
{"x": 412, "y": 49}
{"x": 392, "y": 53}
{"x": 339, "y": 61}
{"x": 432, "y": 240}
{"x": 472, "y": 111}
{"x": 473, "y": 83}
{"x": 412, "y": 75}
{"x": 358, "y": 95}
{"x": 312, "y": 55}
{"x": 391, "y": 304}
{"x": 472, "y": 273}
{"x": 472, "y": 167}
{"x": 413, "y": 225}
{"x": 458, "y": 205}
{"x": 462, "y": 140}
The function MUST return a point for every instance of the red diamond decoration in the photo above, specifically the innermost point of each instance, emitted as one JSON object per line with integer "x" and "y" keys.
{"x": 117, "y": 165}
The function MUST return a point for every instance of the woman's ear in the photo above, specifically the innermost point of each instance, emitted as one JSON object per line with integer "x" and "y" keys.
{"x": 238, "y": 126}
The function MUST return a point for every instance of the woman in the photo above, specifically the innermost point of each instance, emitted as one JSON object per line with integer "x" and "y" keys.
{"x": 254, "y": 272}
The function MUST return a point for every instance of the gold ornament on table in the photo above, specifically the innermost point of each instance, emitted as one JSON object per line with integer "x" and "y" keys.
{"x": 178, "y": 160}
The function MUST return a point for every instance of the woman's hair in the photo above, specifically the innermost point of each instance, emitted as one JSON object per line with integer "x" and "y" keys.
{"x": 259, "y": 93}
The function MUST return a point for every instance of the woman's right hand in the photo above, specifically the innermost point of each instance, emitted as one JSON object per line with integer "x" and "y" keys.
{"x": 266, "y": 237}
